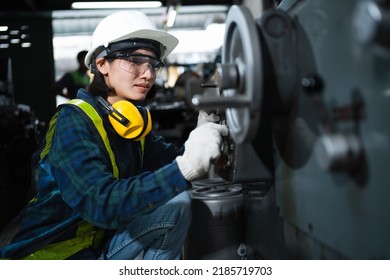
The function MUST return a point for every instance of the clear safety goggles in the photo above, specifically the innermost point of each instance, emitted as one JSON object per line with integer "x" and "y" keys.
{"x": 138, "y": 64}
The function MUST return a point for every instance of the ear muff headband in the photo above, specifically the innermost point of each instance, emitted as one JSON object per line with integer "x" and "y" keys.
{"x": 129, "y": 121}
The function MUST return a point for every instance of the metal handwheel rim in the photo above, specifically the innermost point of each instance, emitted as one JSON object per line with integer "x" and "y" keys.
{"x": 243, "y": 122}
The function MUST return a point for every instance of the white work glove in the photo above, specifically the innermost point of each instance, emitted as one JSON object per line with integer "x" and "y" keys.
{"x": 202, "y": 146}
{"x": 204, "y": 118}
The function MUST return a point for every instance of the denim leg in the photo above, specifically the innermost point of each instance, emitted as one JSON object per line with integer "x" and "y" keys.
{"x": 159, "y": 234}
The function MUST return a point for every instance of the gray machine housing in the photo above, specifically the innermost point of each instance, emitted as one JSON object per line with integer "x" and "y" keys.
{"x": 315, "y": 169}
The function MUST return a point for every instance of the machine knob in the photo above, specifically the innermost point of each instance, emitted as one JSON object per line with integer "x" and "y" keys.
{"x": 338, "y": 152}
{"x": 371, "y": 23}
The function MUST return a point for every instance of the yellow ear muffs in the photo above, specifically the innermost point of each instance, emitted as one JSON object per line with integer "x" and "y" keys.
{"x": 132, "y": 122}
{"x": 147, "y": 122}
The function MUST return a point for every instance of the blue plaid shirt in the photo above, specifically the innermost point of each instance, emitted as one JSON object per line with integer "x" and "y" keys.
{"x": 75, "y": 180}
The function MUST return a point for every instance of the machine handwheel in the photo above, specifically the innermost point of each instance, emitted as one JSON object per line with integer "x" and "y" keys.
{"x": 242, "y": 49}
{"x": 240, "y": 78}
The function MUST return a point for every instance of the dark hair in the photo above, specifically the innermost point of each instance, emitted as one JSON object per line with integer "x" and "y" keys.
{"x": 81, "y": 55}
{"x": 98, "y": 86}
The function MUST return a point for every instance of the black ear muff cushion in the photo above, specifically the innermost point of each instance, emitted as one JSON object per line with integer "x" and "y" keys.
{"x": 145, "y": 116}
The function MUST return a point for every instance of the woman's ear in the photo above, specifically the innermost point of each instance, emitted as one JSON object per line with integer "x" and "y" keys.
{"x": 101, "y": 65}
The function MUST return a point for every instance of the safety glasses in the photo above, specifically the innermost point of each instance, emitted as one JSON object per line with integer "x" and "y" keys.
{"x": 138, "y": 64}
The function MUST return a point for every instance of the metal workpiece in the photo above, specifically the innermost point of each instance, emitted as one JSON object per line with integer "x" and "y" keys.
{"x": 241, "y": 163}
{"x": 226, "y": 159}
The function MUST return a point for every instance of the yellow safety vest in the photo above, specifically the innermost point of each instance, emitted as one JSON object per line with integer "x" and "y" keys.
{"x": 97, "y": 121}
{"x": 87, "y": 236}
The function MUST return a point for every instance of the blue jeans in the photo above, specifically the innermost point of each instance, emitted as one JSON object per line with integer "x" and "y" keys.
{"x": 160, "y": 235}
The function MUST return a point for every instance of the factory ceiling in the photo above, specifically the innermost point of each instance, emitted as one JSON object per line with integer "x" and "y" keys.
{"x": 50, "y": 5}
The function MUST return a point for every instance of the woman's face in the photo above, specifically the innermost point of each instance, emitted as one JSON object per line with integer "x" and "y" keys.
{"x": 128, "y": 84}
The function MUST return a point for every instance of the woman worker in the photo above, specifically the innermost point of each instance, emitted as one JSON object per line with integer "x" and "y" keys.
{"x": 107, "y": 186}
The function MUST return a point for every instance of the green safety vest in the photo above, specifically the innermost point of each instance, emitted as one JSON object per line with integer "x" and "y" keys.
{"x": 86, "y": 236}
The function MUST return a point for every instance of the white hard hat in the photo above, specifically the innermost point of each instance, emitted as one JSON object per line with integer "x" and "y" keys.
{"x": 125, "y": 25}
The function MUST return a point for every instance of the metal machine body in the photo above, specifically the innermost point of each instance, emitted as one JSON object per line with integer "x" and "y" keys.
{"x": 310, "y": 106}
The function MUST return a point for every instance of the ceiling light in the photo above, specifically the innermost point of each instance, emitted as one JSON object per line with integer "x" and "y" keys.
{"x": 116, "y": 5}
{"x": 171, "y": 16}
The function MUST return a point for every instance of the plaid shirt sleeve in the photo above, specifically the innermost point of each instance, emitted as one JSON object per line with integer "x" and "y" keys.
{"x": 83, "y": 173}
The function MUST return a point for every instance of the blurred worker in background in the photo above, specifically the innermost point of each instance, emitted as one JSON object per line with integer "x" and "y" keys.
{"x": 68, "y": 85}
{"x": 108, "y": 187}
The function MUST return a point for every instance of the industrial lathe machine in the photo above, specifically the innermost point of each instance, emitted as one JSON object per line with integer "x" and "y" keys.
{"x": 305, "y": 91}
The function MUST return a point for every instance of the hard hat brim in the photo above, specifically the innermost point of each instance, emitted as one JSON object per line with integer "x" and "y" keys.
{"x": 168, "y": 41}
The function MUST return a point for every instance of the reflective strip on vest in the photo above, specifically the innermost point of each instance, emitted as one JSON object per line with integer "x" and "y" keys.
{"x": 94, "y": 116}
{"x": 49, "y": 136}
{"x": 97, "y": 121}
{"x": 87, "y": 236}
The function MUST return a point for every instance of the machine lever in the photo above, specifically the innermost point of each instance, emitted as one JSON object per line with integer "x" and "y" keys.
{"x": 222, "y": 103}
